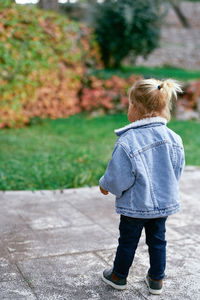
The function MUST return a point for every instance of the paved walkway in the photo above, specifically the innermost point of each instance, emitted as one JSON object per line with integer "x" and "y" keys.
{"x": 54, "y": 245}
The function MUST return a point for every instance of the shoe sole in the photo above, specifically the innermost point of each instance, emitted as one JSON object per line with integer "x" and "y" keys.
{"x": 154, "y": 292}
{"x": 115, "y": 286}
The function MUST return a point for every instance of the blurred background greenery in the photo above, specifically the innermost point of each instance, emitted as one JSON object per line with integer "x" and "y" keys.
{"x": 65, "y": 70}
{"x": 72, "y": 152}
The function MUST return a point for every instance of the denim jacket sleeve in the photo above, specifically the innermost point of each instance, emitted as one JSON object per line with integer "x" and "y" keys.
{"x": 182, "y": 164}
{"x": 119, "y": 175}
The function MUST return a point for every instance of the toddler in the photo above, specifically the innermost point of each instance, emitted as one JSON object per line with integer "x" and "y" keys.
{"x": 143, "y": 174}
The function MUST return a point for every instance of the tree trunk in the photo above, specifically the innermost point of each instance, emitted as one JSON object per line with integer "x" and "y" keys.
{"x": 176, "y": 7}
{"x": 181, "y": 16}
{"x": 49, "y": 4}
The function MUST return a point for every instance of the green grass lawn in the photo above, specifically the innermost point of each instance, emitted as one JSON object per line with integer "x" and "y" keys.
{"x": 156, "y": 72}
{"x": 73, "y": 152}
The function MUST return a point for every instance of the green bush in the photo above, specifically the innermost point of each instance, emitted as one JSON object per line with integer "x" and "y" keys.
{"x": 43, "y": 57}
{"x": 122, "y": 26}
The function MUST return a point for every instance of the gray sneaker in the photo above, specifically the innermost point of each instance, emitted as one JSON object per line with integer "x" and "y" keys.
{"x": 111, "y": 279}
{"x": 155, "y": 286}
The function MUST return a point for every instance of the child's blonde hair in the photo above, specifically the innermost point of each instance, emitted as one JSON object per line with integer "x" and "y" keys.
{"x": 153, "y": 97}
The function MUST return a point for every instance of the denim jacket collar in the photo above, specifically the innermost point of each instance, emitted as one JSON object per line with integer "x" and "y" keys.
{"x": 139, "y": 123}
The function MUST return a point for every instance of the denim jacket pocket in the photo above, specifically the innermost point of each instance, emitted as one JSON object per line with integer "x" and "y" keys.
{"x": 125, "y": 200}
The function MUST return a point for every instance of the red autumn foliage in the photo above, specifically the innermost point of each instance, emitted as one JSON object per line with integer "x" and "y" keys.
{"x": 191, "y": 96}
{"x": 42, "y": 63}
{"x": 108, "y": 95}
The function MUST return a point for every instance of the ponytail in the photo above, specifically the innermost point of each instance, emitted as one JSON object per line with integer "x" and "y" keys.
{"x": 170, "y": 88}
{"x": 153, "y": 97}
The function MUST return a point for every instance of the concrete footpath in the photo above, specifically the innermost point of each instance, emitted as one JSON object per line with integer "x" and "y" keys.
{"x": 55, "y": 245}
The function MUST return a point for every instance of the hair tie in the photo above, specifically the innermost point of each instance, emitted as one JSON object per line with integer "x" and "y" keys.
{"x": 159, "y": 87}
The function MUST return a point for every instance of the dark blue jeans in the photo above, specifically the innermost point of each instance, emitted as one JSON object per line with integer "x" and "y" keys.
{"x": 130, "y": 232}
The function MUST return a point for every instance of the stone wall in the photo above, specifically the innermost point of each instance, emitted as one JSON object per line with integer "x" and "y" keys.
{"x": 180, "y": 47}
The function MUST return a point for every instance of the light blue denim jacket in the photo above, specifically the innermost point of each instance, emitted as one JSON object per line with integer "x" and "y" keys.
{"x": 144, "y": 171}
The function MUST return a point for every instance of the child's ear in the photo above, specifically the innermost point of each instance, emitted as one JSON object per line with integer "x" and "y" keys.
{"x": 132, "y": 106}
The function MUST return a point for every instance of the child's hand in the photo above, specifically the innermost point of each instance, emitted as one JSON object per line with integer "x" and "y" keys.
{"x": 103, "y": 191}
